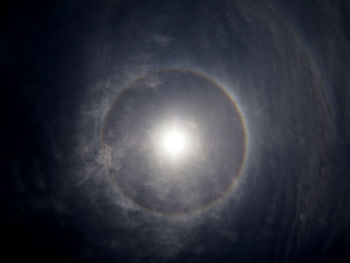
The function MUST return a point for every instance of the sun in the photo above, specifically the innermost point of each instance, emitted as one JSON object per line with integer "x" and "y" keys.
{"x": 174, "y": 141}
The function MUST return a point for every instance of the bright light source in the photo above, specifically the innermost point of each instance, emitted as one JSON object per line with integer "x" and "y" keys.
{"x": 174, "y": 142}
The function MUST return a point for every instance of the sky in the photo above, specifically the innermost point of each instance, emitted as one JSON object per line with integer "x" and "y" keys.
{"x": 261, "y": 88}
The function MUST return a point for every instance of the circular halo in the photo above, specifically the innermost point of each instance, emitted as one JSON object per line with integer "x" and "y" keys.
{"x": 174, "y": 142}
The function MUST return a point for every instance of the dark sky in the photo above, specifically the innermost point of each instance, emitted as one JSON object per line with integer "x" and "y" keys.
{"x": 285, "y": 63}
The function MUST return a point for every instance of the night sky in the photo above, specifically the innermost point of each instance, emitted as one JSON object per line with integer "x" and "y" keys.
{"x": 261, "y": 89}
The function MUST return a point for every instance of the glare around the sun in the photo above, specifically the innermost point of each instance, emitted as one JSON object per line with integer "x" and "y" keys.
{"x": 174, "y": 141}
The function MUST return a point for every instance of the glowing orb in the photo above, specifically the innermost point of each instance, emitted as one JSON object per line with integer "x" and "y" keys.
{"x": 174, "y": 142}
